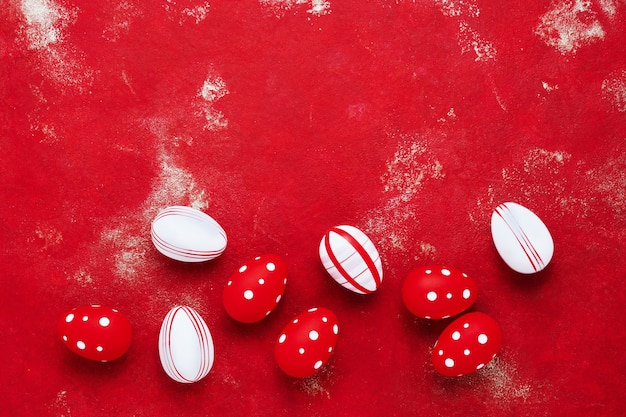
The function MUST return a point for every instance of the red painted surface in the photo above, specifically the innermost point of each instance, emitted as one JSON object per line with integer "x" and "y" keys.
{"x": 409, "y": 120}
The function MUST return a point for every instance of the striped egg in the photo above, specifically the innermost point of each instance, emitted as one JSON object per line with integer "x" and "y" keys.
{"x": 521, "y": 238}
{"x": 351, "y": 259}
{"x": 185, "y": 345}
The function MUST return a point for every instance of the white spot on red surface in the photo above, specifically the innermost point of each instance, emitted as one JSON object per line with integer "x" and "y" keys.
{"x": 569, "y": 25}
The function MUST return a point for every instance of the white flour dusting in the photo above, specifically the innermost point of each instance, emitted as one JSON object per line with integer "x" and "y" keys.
{"x": 60, "y": 406}
{"x": 569, "y": 25}
{"x": 609, "y": 180}
{"x": 196, "y": 13}
{"x": 213, "y": 88}
{"x": 45, "y": 22}
{"x": 470, "y": 40}
{"x": 609, "y": 7}
{"x": 521, "y": 179}
{"x": 614, "y": 90}
{"x": 456, "y": 8}
{"x": 411, "y": 166}
{"x": 280, "y": 7}
{"x": 123, "y": 15}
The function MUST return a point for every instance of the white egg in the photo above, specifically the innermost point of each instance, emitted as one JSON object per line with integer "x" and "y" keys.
{"x": 521, "y": 238}
{"x": 351, "y": 259}
{"x": 185, "y": 345}
{"x": 187, "y": 235}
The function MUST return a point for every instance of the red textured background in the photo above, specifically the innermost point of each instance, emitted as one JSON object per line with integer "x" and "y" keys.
{"x": 411, "y": 120}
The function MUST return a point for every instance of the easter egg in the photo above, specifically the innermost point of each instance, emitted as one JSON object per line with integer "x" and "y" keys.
{"x": 307, "y": 342}
{"x": 521, "y": 238}
{"x": 436, "y": 292}
{"x": 188, "y": 235}
{"x": 351, "y": 259}
{"x": 255, "y": 289}
{"x": 95, "y": 332}
{"x": 467, "y": 345}
{"x": 185, "y": 345}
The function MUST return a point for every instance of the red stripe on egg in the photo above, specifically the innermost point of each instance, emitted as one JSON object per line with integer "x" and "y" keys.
{"x": 520, "y": 235}
{"x": 338, "y": 264}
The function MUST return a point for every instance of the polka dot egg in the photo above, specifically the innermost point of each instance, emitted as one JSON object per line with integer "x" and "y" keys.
{"x": 468, "y": 344}
{"x": 255, "y": 289}
{"x": 438, "y": 292}
{"x": 95, "y": 332}
{"x": 305, "y": 344}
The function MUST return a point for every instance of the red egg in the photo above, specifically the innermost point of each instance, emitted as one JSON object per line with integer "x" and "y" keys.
{"x": 467, "y": 345}
{"x": 307, "y": 342}
{"x": 436, "y": 292}
{"x": 255, "y": 289}
{"x": 95, "y": 332}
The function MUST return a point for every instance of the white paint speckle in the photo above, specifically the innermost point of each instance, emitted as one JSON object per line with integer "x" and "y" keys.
{"x": 564, "y": 28}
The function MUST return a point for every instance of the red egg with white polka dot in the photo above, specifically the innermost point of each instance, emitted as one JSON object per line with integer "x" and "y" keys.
{"x": 255, "y": 289}
{"x": 468, "y": 344}
{"x": 95, "y": 332}
{"x": 307, "y": 342}
{"x": 437, "y": 292}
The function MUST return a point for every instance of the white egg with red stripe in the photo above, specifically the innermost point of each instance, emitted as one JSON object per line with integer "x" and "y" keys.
{"x": 351, "y": 259}
{"x": 187, "y": 235}
{"x": 185, "y": 345}
{"x": 467, "y": 345}
{"x": 521, "y": 238}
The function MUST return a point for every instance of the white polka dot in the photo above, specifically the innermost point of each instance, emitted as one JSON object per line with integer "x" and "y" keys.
{"x": 449, "y": 362}
{"x": 243, "y": 268}
{"x": 428, "y": 271}
{"x": 313, "y": 335}
{"x": 480, "y": 366}
{"x": 325, "y": 319}
{"x": 69, "y": 318}
{"x": 268, "y": 313}
{"x": 440, "y": 352}
{"x": 99, "y": 348}
{"x": 270, "y": 266}
{"x": 318, "y": 364}
{"x": 261, "y": 281}
{"x": 312, "y": 309}
{"x": 104, "y": 321}
{"x": 229, "y": 283}
{"x": 330, "y": 349}
{"x": 445, "y": 317}
{"x": 85, "y": 318}
{"x": 295, "y": 321}
{"x": 80, "y": 344}
{"x": 426, "y": 317}
{"x": 301, "y": 351}
{"x": 432, "y": 296}
{"x": 482, "y": 338}
{"x": 464, "y": 275}
{"x": 257, "y": 258}
{"x": 282, "y": 338}
{"x": 445, "y": 272}
{"x": 278, "y": 298}
{"x": 65, "y": 338}
{"x": 115, "y": 311}
{"x": 466, "y": 294}
{"x": 456, "y": 336}
{"x": 466, "y": 325}
{"x": 248, "y": 294}
{"x": 285, "y": 281}
{"x": 449, "y": 295}
{"x": 466, "y": 352}
{"x": 335, "y": 329}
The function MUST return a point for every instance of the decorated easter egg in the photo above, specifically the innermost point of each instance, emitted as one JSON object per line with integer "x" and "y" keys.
{"x": 521, "y": 238}
{"x": 436, "y": 292}
{"x": 255, "y": 289}
{"x": 467, "y": 344}
{"x": 188, "y": 235}
{"x": 185, "y": 345}
{"x": 307, "y": 342}
{"x": 95, "y": 332}
{"x": 351, "y": 259}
